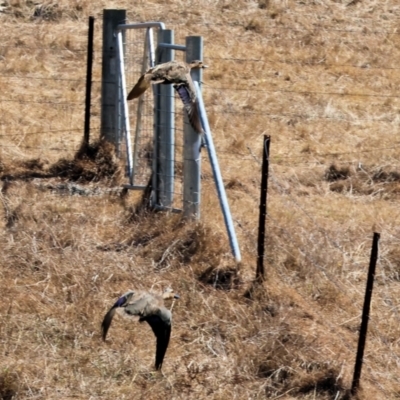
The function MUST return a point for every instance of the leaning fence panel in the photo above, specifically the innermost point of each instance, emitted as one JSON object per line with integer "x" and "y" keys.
{"x": 138, "y": 56}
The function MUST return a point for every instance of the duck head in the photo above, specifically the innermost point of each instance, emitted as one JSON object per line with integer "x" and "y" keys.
{"x": 197, "y": 64}
{"x": 169, "y": 294}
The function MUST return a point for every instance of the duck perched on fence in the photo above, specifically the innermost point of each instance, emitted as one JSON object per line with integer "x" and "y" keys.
{"x": 148, "y": 307}
{"x": 178, "y": 74}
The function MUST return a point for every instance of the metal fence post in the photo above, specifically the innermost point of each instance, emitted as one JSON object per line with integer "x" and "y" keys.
{"x": 89, "y": 67}
{"x": 109, "y": 76}
{"x": 260, "y": 272}
{"x": 164, "y": 128}
{"x": 365, "y": 314}
{"x": 123, "y": 105}
{"x": 140, "y": 103}
{"x": 192, "y": 141}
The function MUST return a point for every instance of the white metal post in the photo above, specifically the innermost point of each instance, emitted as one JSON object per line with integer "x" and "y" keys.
{"x": 118, "y": 116}
{"x": 125, "y": 111}
{"x": 150, "y": 47}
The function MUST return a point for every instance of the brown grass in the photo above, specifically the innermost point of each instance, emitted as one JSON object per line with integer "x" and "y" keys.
{"x": 322, "y": 79}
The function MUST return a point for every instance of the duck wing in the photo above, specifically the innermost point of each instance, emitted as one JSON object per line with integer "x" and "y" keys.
{"x": 162, "y": 331}
{"x": 141, "y": 86}
{"x": 105, "y": 325}
{"x": 188, "y": 96}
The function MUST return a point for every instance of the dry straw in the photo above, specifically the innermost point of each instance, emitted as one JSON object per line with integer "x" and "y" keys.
{"x": 72, "y": 241}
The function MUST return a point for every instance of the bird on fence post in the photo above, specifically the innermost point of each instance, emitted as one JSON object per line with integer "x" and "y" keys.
{"x": 178, "y": 74}
{"x": 148, "y": 307}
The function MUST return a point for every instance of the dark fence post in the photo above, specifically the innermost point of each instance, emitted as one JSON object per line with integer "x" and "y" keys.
{"x": 365, "y": 315}
{"x": 109, "y": 75}
{"x": 260, "y": 273}
{"x": 89, "y": 68}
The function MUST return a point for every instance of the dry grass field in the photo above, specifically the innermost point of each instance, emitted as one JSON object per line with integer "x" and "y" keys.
{"x": 322, "y": 78}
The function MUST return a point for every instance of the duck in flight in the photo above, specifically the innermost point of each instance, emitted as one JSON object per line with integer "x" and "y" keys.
{"x": 177, "y": 73}
{"x": 148, "y": 307}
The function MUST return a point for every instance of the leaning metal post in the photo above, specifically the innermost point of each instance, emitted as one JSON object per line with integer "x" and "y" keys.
{"x": 218, "y": 177}
{"x": 125, "y": 112}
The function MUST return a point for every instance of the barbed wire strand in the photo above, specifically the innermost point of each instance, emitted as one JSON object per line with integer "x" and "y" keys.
{"x": 302, "y": 92}
{"x": 316, "y": 265}
{"x": 327, "y": 236}
{"x": 306, "y": 63}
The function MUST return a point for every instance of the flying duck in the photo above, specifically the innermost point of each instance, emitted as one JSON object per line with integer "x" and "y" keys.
{"x": 177, "y": 73}
{"x": 148, "y": 307}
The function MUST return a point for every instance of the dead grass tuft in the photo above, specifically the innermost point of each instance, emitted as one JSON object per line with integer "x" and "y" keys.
{"x": 69, "y": 248}
{"x": 263, "y": 4}
{"x": 92, "y": 163}
{"x": 172, "y": 241}
{"x": 286, "y": 370}
{"x": 35, "y": 164}
{"x": 335, "y": 173}
{"x": 8, "y": 385}
{"x": 295, "y": 265}
{"x": 225, "y": 278}
{"x": 392, "y": 264}
{"x": 327, "y": 381}
{"x": 381, "y": 182}
{"x": 255, "y": 25}
{"x": 386, "y": 176}
{"x": 48, "y": 12}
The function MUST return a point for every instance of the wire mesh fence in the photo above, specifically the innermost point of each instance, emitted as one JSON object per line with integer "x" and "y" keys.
{"x": 42, "y": 110}
{"x": 141, "y": 111}
{"x": 63, "y": 98}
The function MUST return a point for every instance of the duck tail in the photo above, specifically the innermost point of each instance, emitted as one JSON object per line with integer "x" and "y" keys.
{"x": 141, "y": 86}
